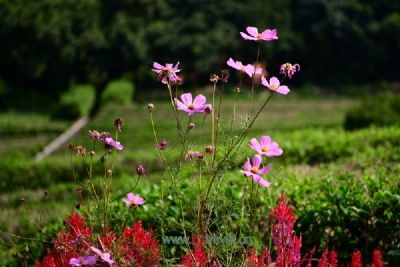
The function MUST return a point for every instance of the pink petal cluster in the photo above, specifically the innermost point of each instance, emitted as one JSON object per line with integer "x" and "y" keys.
{"x": 190, "y": 106}
{"x": 133, "y": 200}
{"x": 110, "y": 142}
{"x": 275, "y": 85}
{"x": 255, "y": 171}
{"x": 266, "y": 147}
{"x": 82, "y": 261}
{"x": 254, "y": 35}
{"x": 248, "y": 69}
{"x": 289, "y": 70}
{"x": 105, "y": 256}
{"x": 167, "y": 73}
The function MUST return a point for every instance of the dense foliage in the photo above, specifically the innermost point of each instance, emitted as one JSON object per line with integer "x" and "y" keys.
{"x": 378, "y": 110}
{"x": 53, "y": 43}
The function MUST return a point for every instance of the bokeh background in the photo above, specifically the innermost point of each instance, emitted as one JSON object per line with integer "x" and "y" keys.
{"x": 61, "y": 60}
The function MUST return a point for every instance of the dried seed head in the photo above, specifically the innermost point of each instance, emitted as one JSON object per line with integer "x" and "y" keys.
{"x": 225, "y": 75}
{"x": 71, "y": 146}
{"x": 150, "y": 107}
{"x": 214, "y": 78}
{"x": 80, "y": 150}
{"x": 118, "y": 124}
{"x": 210, "y": 149}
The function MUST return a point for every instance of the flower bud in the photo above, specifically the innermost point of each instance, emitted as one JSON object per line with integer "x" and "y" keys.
{"x": 118, "y": 124}
{"x": 191, "y": 125}
{"x": 92, "y": 153}
{"x": 150, "y": 106}
{"x": 162, "y": 145}
{"x": 140, "y": 170}
{"x": 109, "y": 171}
{"x": 210, "y": 149}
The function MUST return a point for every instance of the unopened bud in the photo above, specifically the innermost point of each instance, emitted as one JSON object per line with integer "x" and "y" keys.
{"x": 109, "y": 171}
{"x": 92, "y": 153}
{"x": 150, "y": 106}
{"x": 210, "y": 149}
{"x": 140, "y": 170}
{"x": 191, "y": 125}
{"x": 118, "y": 124}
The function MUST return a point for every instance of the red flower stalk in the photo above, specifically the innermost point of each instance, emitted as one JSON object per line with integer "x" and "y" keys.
{"x": 139, "y": 246}
{"x": 196, "y": 257}
{"x": 333, "y": 262}
{"x": 377, "y": 259}
{"x": 323, "y": 262}
{"x": 356, "y": 259}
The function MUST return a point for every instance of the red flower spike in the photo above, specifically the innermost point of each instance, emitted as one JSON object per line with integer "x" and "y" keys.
{"x": 333, "y": 262}
{"x": 377, "y": 259}
{"x": 356, "y": 259}
{"x": 196, "y": 257}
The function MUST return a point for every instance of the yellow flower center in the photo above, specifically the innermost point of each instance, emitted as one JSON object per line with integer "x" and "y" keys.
{"x": 259, "y": 36}
{"x": 264, "y": 149}
{"x": 254, "y": 170}
{"x": 273, "y": 87}
{"x": 133, "y": 201}
{"x": 191, "y": 107}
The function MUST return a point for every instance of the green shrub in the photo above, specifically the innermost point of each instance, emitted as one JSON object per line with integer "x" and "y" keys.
{"x": 76, "y": 102}
{"x": 380, "y": 110}
{"x": 119, "y": 92}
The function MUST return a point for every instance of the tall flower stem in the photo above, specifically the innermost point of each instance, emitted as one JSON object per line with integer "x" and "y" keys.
{"x": 252, "y": 84}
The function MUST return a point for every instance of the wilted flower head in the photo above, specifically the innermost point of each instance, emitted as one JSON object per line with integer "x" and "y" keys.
{"x": 190, "y": 106}
{"x": 80, "y": 150}
{"x": 289, "y": 70}
{"x": 150, "y": 106}
{"x": 266, "y": 146}
{"x": 81, "y": 261}
{"x": 162, "y": 145}
{"x": 274, "y": 85}
{"x": 105, "y": 256}
{"x": 266, "y": 35}
{"x": 248, "y": 69}
{"x": 225, "y": 75}
{"x": 118, "y": 124}
{"x": 167, "y": 73}
{"x": 133, "y": 200}
{"x": 95, "y": 135}
{"x": 255, "y": 171}
{"x": 210, "y": 149}
{"x": 110, "y": 142}
{"x": 140, "y": 170}
{"x": 214, "y": 78}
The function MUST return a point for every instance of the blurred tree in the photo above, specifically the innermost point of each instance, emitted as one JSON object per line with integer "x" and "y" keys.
{"x": 51, "y": 44}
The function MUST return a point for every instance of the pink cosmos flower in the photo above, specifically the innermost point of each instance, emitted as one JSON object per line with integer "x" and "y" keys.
{"x": 274, "y": 85}
{"x": 133, "y": 200}
{"x": 266, "y": 147}
{"x": 110, "y": 142}
{"x": 266, "y": 35}
{"x": 289, "y": 70}
{"x": 167, "y": 73}
{"x": 105, "y": 256}
{"x": 190, "y": 107}
{"x": 255, "y": 171}
{"x": 248, "y": 69}
{"x": 81, "y": 261}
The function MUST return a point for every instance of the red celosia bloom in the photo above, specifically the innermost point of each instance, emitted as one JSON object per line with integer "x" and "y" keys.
{"x": 196, "y": 257}
{"x": 377, "y": 259}
{"x": 323, "y": 262}
{"x": 356, "y": 259}
{"x": 135, "y": 247}
{"x": 333, "y": 262}
{"x": 139, "y": 247}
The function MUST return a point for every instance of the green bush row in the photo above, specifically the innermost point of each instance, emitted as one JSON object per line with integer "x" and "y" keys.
{"x": 380, "y": 110}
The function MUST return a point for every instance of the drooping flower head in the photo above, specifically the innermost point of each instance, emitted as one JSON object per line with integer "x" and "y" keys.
{"x": 289, "y": 70}
{"x": 248, "y": 69}
{"x": 82, "y": 261}
{"x": 167, "y": 73}
{"x": 110, "y": 142}
{"x": 133, "y": 200}
{"x": 275, "y": 85}
{"x": 190, "y": 106}
{"x": 255, "y": 171}
{"x": 266, "y": 146}
{"x": 105, "y": 256}
{"x": 266, "y": 35}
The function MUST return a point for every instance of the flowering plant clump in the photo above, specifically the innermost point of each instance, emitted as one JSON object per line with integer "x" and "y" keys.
{"x": 198, "y": 190}
{"x": 77, "y": 245}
